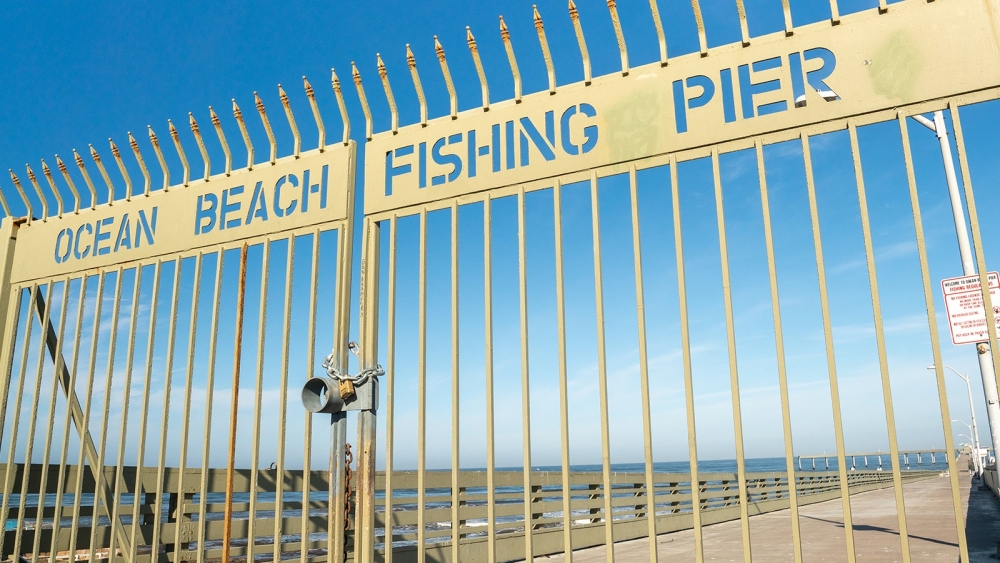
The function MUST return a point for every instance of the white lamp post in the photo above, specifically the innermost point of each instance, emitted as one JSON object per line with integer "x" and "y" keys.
{"x": 969, "y": 269}
{"x": 975, "y": 445}
{"x": 972, "y": 413}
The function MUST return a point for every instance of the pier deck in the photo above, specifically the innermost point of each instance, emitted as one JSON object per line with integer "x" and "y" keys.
{"x": 929, "y": 519}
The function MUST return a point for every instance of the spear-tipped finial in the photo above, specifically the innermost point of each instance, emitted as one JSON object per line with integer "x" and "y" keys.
{"x": 107, "y": 179}
{"x": 238, "y": 114}
{"x": 69, "y": 181}
{"x": 86, "y": 178}
{"x": 335, "y": 81}
{"x": 267, "y": 127}
{"x": 538, "y": 18}
{"x": 159, "y": 157}
{"x": 38, "y": 192}
{"x": 180, "y": 152}
{"x": 474, "y": 50}
{"x": 52, "y": 185}
{"x": 201, "y": 145}
{"x": 546, "y": 54}
{"x": 311, "y": 95}
{"x": 364, "y": 100}
{"x": 612, "y": 7}
{"x": 222, "y": 139}
{"x": 411, "y": 62}
{"x": 121, "y": 167}
{"x": 384, "y": 75}
{"x": 509, "y": 47}
{"x": 296, "y": 137}
{"x": 142, "y": 163}
{"x": 584, "y": 53}
{"x": 452, "y": 94}
{"x": 24, "y": 197}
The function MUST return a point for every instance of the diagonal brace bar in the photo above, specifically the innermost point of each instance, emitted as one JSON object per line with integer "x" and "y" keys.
{"x": 76, "y": 412}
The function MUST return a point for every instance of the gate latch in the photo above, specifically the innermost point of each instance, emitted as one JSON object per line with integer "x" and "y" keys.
{"x": 336, "y": 392}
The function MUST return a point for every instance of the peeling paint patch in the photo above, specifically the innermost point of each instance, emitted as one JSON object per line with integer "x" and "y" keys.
{"x": 895, "y": 68}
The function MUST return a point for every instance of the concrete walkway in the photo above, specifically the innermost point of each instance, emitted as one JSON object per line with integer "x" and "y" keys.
{"x": 930, "y": 521}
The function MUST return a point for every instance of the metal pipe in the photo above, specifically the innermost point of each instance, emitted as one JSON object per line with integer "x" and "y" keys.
{"x": 364, "y": 100}
{"x": 52, "y": 186}
{"x": 619, "y": 35}
{"x": 258, "y": 397}
{"x": 238, "y": 114}
{"x": 38, "y": 192}
{"x": 343, "y": 107}
{"x": 456, "y": 523}
{"x": 658, "y": 24}
{"x": 422, "y": 390}
{"x": 505, "y": 36}
{"x": 393, "y": 110}
{"x": 522, "y": 271}
{"x": 574, "y": 15}
{"x": 121, "y": 167}
{"x": 222, "y": 139}
{"x": 24, "y": 197}
{"x": 88, "y": 181}
{"x": 700, "y": 23}
{"x": 201, "y": 146}
{"x": 306, "y": 521}
{"x": 546, "y": 54}
{"x": 390, "y": 397}
{"x": 449, "y": 84}
{"x": 72, "y": 187}
{"x": 104, "y": 173}
{"x": 159, "y": 156}
{"x": 296, "y": 138}
{"x": 311, "y": 95}
{"x": 744, "y": 27}
{"x": 491, "y": 523}
{"x": 5, "y": 206}
{"x": 478, "y": 62}
{"x": 286, "y": 327}
{"x": 567, "y": 523}
{"x": 213, "y": 340}
{"x": 411, "y": 62}
{"x": 142, "y": 163}
{"x": 185, "y": 167}
{"x": 267, "y": 127}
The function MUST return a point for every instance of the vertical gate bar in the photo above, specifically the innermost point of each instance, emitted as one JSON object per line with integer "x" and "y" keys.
{"x": 286, "y": 327}
{"x": 60, "y": 489}
{"x": 365, "y": 519}
{"x": 127, "y": 394}
{"x": 744, "y": 28}
{"x": 602, "y": 372}
{"x": 15, "y": 420}
{"x": 787, "y": 11}
{"x": 258, "y": 396}
{"x": 491, "y": 509}
{"x": 977, "y": 237}
{"x": 168, "y": 373}
{"x": 779, "y": 345}
{"x": 186, "y": 420}
{"x": 904, "y": 542}
{"x": 29, "y": 445}
{"x": 831, "y": 358}
{"x": 390, "y": 355}
{"x": 43, "y": 482}
{"x": 834, "y": 12}
{"x": 10, "y": 314}
{"x": 306, "y": 524}
{"x": 422, "y": 389}
{"x": 640, "y": 308}
{"x": 686, "y": 352}
{"x": 456, "y": 535}
{"x": 144, "y": 420}
{"x": 734, "y": 378}
{"x": 213, "y": 341}
{"x": 949, "y": 442}
{"x": 567, "y": 522}
{"x": 342, "y": 349}
{"x": 84, "y": 428}
{"x": 522, "y": 270}
{"x": 227, "y": 528}
{"x": 700, "y": 23}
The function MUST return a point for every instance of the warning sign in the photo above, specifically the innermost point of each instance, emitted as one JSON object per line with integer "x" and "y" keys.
{"x": 963, "y": 298}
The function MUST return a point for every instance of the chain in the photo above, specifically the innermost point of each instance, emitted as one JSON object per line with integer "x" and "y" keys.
{"x": 347, "y": 488}
{"x": 330, "y": 362}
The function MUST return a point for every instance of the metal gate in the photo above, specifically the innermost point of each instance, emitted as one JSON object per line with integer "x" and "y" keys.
{"x": 133, "y": 324}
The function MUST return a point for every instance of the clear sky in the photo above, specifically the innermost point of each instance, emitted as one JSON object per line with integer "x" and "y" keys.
{"x": 74, "y": 74}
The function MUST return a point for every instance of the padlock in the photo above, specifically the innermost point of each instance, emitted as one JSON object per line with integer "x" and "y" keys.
{"x": 346, "y": 389}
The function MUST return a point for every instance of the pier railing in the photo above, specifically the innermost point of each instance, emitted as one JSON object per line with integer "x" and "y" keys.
{"x": 202, "y": 524}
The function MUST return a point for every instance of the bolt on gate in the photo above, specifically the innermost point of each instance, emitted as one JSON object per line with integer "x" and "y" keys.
{"x": 93, "y": 297}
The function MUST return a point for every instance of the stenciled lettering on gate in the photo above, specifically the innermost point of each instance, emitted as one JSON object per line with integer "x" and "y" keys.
{"x": 292, "y": 193}
{"x": 878, "y": 62}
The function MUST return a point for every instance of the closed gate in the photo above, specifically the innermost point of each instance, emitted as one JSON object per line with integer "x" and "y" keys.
{"x": 135, "y": 326}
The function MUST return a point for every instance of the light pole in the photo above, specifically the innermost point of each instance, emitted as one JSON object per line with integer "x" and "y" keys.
{"x": 969, "y": 269}
{"x": 975, "y": 446}
{"x": 972, "y": 413}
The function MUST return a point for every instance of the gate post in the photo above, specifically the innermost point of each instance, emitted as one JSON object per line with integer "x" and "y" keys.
{"x": 8, "y": 240}
{"x": 364, "y": 531}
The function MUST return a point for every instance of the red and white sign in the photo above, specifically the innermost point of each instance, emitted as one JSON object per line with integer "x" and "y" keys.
{"x": 963, "y": 298}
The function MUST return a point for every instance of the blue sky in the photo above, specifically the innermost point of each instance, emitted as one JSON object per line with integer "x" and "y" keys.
{"x": 75, "y": 74}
